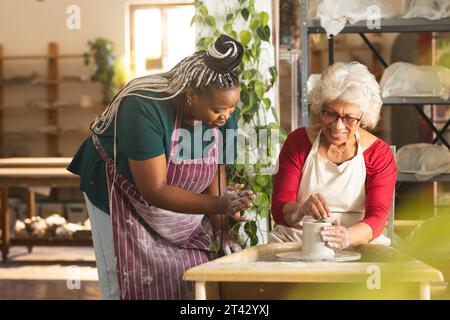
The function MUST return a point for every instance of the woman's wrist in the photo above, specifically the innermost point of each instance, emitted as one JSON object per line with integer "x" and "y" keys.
{"x": 212, "y": 205}
{"x": 293, "y": 213}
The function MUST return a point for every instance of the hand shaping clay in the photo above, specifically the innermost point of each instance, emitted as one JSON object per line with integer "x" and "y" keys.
{"x": 313, "y": 246}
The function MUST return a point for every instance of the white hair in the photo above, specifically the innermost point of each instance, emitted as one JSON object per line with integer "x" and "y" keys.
{"x": 349, "y": 82}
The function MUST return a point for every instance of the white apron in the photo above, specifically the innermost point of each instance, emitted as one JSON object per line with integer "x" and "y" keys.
{"x": 343, "y": 187}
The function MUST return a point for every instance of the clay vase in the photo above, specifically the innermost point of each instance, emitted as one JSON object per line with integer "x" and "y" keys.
{"x": 313, "y": 248}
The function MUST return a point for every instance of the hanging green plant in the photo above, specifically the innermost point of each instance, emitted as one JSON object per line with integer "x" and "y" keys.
{"x": 253, "y": 100}
{"x": 103, "y": 66}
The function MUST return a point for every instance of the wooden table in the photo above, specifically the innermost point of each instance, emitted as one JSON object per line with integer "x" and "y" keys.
{"x": 32, "y": 172}
{"x": 257, "y": 273}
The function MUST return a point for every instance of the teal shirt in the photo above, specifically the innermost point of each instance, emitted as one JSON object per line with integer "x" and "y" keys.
{"x": 144, "y": 129}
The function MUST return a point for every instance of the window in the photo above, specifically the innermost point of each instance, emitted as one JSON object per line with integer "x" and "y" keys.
{"x": 160, "y": 36}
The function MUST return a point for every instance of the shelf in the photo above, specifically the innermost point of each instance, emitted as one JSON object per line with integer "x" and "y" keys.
{"x": 414, "y": 101}
{"x": 389, "y": 25}
{"x": 51, "y": 242}
{"x": 34, "y": 133}
{"x": 44, "y": 82}
{"x": 410, "y": 177}
{"x": 36, "y": 108}
{"x": 45, "y": 57}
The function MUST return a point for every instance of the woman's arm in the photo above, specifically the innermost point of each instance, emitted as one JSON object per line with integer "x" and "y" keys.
{"x": 287, "y": 179}
{"x": 380, "y": 185}
{"x": 220, "y": 222}
{"x": 150, "y": 178}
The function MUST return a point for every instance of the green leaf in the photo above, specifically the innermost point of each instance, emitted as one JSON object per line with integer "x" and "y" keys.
{"x": 228, "y": 28}
{"x": 260, "y": 89}
{"x": 264, "y": 18}
{"x": 216, "y": 33}
{"x": 254, "y": 240}
{"x": 234, "y": 35}
{"x": 259, "y": 200}
{"x": 264, "y": 213}
{"x": 255, "y": 51}
{"x": 198, "y": 3}
{"x": 245, "y": 59}
{"x": 201, "y": 43}
{"x": 245, "y": 37}
{"x": 254, "y": 24}
{"x": 263, "y": 33}
{"x": 262, "y": 180}
{"x": 229, "y": 17}
{"x": 245, "y": 98}
{"x": 247, "y": 74}
{"x": 204, "y": 11}
{"x": 245, "y": 14}
{"x": 208, "y": 41}
{"x": 194, "y": 18}
{"x": 273, "y": 72}
{"x": 211, "y": 21}
{"x": 267, "y": 102}
{"x": 250, "y": 228}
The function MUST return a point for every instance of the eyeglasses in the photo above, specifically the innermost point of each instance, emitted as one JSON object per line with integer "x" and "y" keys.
{"x": 330, "y": 116}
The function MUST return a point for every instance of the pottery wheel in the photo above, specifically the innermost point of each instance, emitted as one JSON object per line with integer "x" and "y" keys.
{"x": 341, "y": 256}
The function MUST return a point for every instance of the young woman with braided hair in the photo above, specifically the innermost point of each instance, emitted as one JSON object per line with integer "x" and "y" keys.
{"x": 150, "y": 206}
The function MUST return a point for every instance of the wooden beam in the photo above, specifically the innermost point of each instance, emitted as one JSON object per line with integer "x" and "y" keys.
{"x": 52, "y": 96}
{"x": 1, "y": 100}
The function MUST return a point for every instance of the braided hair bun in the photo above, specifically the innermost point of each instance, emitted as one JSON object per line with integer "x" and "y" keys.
{"x": 224, "y": 55}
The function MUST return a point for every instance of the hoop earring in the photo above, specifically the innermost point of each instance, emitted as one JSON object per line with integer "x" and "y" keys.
{"x": 189, "y": 103}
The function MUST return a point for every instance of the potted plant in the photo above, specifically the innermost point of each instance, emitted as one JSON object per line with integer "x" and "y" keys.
{"x": 101, "y": 50}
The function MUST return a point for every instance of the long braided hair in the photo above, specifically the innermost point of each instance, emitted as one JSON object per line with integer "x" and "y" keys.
{"x": 213, "y": 67}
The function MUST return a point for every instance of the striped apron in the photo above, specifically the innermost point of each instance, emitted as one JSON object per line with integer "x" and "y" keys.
{"x": 154, "y": 247}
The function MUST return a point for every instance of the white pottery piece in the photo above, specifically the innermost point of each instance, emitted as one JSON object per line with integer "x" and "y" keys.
{"x": 313, "y": 248}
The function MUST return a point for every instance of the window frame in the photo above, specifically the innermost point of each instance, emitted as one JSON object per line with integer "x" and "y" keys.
{"x": 164, "y": 8}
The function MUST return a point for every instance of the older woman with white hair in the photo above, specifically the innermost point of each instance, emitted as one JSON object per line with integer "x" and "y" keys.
{"x": 337, "y": 170}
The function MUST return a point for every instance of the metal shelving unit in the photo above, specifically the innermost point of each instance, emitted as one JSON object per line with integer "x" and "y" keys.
{"x": 309, "y": 27}
{"x": 386, "y": 26}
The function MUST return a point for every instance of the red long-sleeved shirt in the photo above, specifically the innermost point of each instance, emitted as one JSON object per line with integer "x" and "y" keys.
{"x": 380, "y": 179}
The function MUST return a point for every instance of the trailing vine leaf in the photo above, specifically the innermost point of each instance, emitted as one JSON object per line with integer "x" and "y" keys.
{"x": 250, "y": 228}
{"x": 264, "y": 212}
{"x": 204, "y": 11}
{"x": 273, "y": 73}
{"x": 254, "y": 24}
{"x": 245, "y": 14}
{"x": 245, "y": 36}
{"x": 267, "y": 103}
{"x": 262, "y": 180}
{"x": 260, "y": 89}
{"x": 264, "y": 33}
{"x": 264, "y": 18}
{"x": 247, "y": 74}
{"x": 228, "y": 28}
{"x": 211, "y": 21}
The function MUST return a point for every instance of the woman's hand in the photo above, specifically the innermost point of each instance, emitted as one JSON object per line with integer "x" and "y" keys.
{"x": 336, "y": 236}
{"x": 229, "y": 244}
{"x": 232, "y": 202}
{"x": 315, "y": 206}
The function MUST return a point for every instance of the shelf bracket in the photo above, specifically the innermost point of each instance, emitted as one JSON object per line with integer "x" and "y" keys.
{"x": 431, "y": 125}
{"x": 372, "y": 48}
